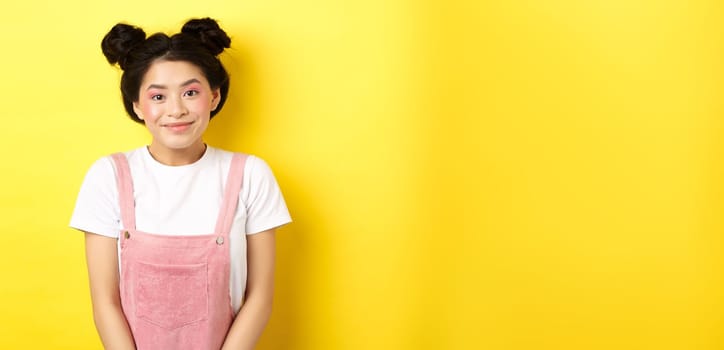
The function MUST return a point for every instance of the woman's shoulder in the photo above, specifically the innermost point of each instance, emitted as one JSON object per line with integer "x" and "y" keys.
{"x": 104, "y": 167}
{"x": 253, "y": 163}
{"x": 130, "y": 155}
{"x": 100, "y": 172}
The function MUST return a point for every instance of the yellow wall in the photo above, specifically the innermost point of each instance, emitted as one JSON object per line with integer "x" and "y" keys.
{"x": 462, "y": 174}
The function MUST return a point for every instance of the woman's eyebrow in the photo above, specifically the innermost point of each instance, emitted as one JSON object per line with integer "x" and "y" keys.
{"x": 163, "y": 87}
{"x": 190, "y": 81}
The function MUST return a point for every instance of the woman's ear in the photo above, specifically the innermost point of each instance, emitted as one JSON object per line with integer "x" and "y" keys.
{"x": 137, "y": 110}
{"x": 215, "y": 99}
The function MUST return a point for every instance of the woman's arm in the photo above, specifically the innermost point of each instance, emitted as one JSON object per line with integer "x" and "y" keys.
{"x": 102, "y": 257}
{"x": 255, "y": 312}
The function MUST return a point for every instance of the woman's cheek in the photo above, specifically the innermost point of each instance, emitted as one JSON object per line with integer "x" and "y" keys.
{"x": 204, "y": 104}
{"x": 151, "y": 111}
{"x": 199, "y": 106}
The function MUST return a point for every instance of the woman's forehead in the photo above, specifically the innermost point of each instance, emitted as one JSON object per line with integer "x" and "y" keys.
{"x": 173, "y": 74}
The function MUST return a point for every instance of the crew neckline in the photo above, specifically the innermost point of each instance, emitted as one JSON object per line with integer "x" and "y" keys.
{"x": 156, "y": 163}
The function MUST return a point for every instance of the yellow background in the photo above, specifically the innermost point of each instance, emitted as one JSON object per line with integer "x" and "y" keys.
{"x": 541, "y": 174}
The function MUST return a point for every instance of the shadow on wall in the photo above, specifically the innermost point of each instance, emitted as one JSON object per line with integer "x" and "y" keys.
{"x": 241, "y": 111}
{"x": 237, "y": 128}
{"x": 299, "y": 271}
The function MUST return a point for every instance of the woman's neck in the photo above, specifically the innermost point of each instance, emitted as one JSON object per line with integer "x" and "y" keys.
{"x": 176, "y": 157}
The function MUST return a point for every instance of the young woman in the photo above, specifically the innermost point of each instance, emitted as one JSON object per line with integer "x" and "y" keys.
{"x": 179, "y": 235}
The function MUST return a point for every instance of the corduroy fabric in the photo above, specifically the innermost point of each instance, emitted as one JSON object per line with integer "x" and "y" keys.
{"x": 175, "y": 289}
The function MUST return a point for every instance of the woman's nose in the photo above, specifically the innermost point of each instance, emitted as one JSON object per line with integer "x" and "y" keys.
{"x": 176, "y": 107}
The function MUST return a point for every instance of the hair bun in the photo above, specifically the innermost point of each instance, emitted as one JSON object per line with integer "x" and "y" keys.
{"x": 209, "y": 33}
{"x": 119, "y": 41}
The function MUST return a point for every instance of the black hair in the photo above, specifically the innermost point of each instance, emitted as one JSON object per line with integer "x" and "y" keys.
{"x": 199, "y": 43}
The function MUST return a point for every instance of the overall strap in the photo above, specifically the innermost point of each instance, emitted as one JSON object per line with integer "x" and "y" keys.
{"x": 125, "y": 192}
{"x": 231, "y": 194}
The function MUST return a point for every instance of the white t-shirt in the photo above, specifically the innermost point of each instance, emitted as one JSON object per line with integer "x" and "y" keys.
{"x": 184, "y": 200}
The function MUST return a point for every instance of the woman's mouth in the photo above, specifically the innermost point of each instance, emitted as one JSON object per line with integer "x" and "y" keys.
{"x": 177, "y": 127}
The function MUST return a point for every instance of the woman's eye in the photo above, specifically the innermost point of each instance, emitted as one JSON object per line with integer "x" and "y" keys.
{"x": 157, "y": 97}
{"x": 191, "y": 93}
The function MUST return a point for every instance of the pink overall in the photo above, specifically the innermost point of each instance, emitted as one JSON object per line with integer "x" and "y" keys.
{"x": 175, "y": 289}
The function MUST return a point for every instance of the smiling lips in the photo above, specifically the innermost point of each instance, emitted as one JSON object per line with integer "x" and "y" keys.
{"x": 177, "y": 127}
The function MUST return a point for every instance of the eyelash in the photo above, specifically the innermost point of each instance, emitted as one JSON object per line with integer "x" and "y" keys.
{"x": 189, "y": 93}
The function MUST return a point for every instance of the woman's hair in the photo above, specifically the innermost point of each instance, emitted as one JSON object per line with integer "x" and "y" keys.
{"x": 199, "y": 43}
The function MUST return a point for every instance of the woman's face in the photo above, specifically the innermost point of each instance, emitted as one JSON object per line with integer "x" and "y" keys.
{"x": 175, "y": 101}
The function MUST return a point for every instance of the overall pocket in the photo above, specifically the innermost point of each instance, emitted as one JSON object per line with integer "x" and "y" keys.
{"x": 171, "y": 296}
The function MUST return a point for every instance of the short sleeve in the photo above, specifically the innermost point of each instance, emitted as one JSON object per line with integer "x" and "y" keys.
{"x": 96, "y": 208}
{"x": 265, "y": 205}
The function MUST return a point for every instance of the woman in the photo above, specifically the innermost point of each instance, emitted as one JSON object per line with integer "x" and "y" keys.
{"x": 179, "y": 235}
